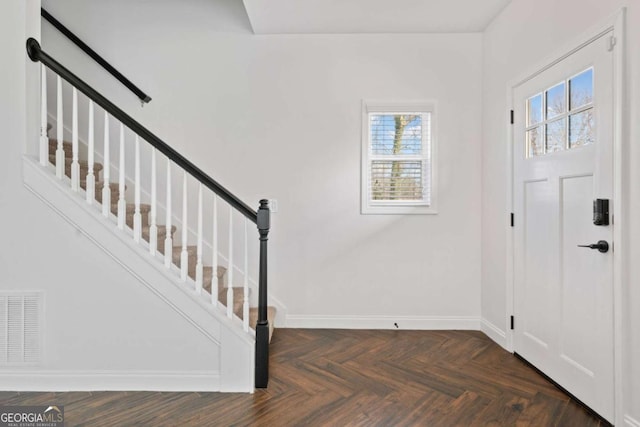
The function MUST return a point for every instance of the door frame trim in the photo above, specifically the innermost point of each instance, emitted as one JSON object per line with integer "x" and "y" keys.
{"x": 615, "y": 23}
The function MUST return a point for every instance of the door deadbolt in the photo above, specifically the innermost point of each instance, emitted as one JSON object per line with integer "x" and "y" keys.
{"x": 601, "y": 212}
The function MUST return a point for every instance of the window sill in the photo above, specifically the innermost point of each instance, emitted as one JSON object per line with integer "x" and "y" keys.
{"x": 398, "y": 210}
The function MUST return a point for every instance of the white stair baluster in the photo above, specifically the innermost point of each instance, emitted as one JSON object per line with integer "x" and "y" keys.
{"x": 106, "y": 189}
{"x": 75, "y": 166}
{"x": 60, "y": 133}
{"x": 199, "y": 267}
{"x": 168, "y": 241}
{"x": 184, "y": 255}
{"x": 230, "y": 267}
{"x": 91, "y": 179}
{"x": 214, "y": 256}
{"x": 245, "y": 305}
{"x": 153, "y": 228}
{"x": 137, "y": 217}
{"x": 122, "y": 204}
{"x": 44, "y": 138}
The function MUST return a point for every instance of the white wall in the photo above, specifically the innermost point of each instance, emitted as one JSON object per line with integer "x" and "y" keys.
{"x": 524, "y": 34}
{"x": 98, "y": 318}
{"x": 279, "y": 117}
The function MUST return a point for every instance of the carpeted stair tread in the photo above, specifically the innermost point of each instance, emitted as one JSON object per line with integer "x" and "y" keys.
{"x": 84, "y": 164}
{"x": 66, "y": 146}
{"x": 271, "y": 317}
{"x": 207, "y": 275}
{"x": 145, "y": 208}
{"x": 162, "y": 234}
{"x": 131, "y": 210}
{"x": 177, "y": 252}
{"x": 238, "y": 299}
{"x": 113, "y": 186}
{"x": 115, "y": 190}
{"x": 192, "y": 250}
{"x": 84, "y": 167}
{"x": 162, "y": 231}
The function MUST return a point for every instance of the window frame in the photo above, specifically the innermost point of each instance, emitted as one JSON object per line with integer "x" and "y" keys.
{"x": 399, "y": 207}
{"x": 569, "y": 111}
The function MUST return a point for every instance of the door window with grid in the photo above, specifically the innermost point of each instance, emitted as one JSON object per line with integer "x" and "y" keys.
{"x": 561, "y": 117}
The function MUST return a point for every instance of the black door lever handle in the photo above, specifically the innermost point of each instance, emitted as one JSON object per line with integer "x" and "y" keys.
{"x": 601, "y": 246}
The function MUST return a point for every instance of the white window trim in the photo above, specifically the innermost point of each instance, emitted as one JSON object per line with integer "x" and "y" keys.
{"x": 369, "y": 207}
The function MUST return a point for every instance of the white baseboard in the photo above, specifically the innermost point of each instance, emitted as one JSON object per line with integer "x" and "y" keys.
{"x": 53, "y": 381}
{"x": 629, "y": 421}
{"x": 493, "y": 332}
{"x": 383, "y": 322}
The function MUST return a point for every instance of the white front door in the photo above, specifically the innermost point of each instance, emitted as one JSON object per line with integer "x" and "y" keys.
{"x": 563, "y": 161}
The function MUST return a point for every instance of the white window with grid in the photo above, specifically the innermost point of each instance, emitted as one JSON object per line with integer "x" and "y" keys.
{"x": 398, "y": 158}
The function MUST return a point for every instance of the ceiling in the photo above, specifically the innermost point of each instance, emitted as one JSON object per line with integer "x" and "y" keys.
{"x": 371, "y": 16}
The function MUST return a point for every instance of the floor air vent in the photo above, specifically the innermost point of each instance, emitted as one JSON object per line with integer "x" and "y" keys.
{"x": 20, "y": 328}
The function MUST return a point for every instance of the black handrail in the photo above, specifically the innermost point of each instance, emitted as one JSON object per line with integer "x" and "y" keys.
{"x": 94, "y": 55}
{"x": 37, "y": 54}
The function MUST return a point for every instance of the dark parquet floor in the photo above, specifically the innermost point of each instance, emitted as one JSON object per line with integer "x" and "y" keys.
{"x": 350, "y": 378}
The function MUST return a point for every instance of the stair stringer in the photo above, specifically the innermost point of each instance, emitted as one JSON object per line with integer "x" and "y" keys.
{"x": 236, "y": 347}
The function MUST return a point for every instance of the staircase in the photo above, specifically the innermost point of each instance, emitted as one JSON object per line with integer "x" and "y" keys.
{"x": 145, "y": 208}
{"x": 222, "y": 283}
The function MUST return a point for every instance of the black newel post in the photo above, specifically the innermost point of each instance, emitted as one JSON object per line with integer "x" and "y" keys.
{"x": 262, "y": 327}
